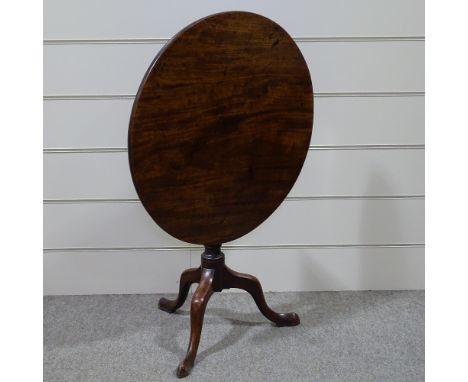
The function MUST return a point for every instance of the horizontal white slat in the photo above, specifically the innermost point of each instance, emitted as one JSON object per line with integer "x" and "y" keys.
{"x": 368, "y": 120}
{"x": 325, "y": 172}
{"x": 321, "y": 222}
{"x": 331, "y": 268}
{"x": 337, "y": 121}
{"x": 102, "y": 225}
{"x": 157, "y": 18}
{"x": 84, "y": 123}
{"x": 113, "y": 272}
{"x": 335, "y": 67}
{"x": 278, "y": 270}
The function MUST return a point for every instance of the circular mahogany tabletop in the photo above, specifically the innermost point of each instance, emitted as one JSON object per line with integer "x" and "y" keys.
{"x": 220, "y": 127}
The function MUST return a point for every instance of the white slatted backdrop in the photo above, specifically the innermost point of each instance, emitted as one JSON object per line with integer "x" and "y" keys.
{"x": 355, "y": 218}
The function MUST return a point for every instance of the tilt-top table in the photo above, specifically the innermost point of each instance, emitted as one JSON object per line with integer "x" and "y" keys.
{"x": 219, "y": 131}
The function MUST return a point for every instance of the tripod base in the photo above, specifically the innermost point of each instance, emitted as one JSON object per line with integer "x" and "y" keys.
{"x": 214, "y": 276}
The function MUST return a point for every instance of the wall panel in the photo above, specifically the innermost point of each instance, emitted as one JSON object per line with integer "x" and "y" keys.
{"x": 334, "y": 66}
{"x": 106, "y": 272}
{"x": 325, "y": 172}
{"x": 355, "y": 218}
{"x": 337, "y": 121}
{"x": 157, "y": 18}
{"x": 116, "y": 272}
{"x": 313, "y": 222}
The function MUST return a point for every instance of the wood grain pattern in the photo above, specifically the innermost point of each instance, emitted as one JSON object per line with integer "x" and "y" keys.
{"x": 220, "y": 127}
{"x": 214, "y": 276}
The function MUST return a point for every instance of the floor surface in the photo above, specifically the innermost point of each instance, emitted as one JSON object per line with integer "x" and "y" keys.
{"x": 343, "y": 336}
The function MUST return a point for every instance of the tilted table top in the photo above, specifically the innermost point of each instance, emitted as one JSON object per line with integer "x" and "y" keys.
{"x": 220, "y": 127}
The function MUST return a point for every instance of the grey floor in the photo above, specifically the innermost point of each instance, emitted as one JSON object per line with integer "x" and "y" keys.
{"x": 343, "y": 336}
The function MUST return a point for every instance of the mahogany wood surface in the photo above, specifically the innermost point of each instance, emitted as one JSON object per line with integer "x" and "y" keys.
{"x": 214, "y": 276}
{"x": 220, "y": 127}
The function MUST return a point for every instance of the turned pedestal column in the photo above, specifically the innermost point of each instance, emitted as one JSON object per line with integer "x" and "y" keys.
{"x": 219, "y": 131}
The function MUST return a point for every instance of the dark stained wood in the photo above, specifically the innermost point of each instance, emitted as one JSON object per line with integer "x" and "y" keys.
{"x": 214, "y": 276}
{"x": 197, "y": 313}
{"x": 220, "y": 127}
{"x": 251, "y": 284}
{"x": 188, "y": 277}
{"x": 219, "y": 132}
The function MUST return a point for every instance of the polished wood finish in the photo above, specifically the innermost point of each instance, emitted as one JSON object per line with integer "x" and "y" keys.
{"x": 220, "y": 127}
{"x": 188, "y": 277}
{"x": 214, "y": 276}
{"x": 219, "y": 132}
